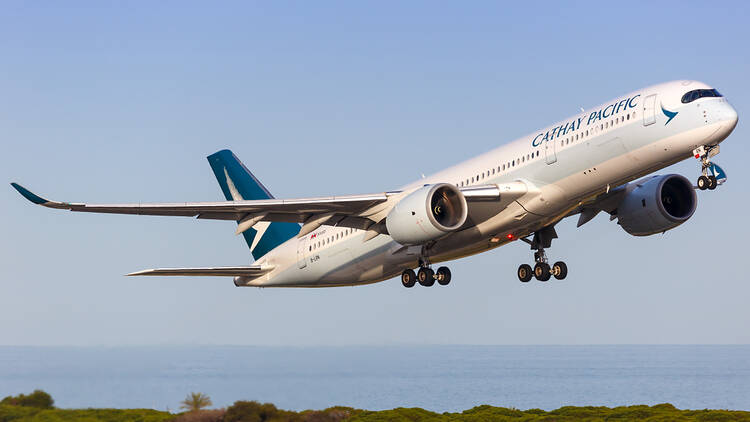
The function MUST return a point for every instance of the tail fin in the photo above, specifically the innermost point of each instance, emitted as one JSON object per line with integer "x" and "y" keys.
{"x": 238, "y": 183}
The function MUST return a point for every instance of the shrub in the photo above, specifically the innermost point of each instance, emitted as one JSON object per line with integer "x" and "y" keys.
{"x": 202, "y": 416}
{"x": 38, "y": 399}
{"x": 252, "y": 411}
{"x": 333, "y": 414}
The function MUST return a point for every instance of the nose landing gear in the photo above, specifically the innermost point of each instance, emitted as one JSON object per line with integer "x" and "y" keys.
{"x": 711, "y": 174}
{"x": 542, "y": 270}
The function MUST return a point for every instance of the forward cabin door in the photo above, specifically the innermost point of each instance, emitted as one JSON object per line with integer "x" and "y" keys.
{"x": 649, "y": 110}
{"x": 549, "y": 151}
{"x": 301, "y": 252}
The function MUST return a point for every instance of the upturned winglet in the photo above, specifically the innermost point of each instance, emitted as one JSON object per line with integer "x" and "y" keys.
{"x": 28, "y": 194}
{"x": 36, "y": 198}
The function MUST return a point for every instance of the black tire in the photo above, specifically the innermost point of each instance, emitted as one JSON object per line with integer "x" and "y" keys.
{"x": 525, "y": 273}
{"x": 408, "y": 278}
{"x": 443, "y": 276}
{"x": 703, "y": 183}
{"x": 541, "y": 271}
{"x": 426, "y": 277}
{"x": 712, "y": 183}
{"x": 560, "y": 270}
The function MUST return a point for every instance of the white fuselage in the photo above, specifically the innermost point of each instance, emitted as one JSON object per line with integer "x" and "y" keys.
{"x": 563, "y": 165}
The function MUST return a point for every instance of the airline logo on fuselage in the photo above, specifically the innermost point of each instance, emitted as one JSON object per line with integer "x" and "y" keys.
{"x": 595, "y": 116}
{"x": 670, "y": 114}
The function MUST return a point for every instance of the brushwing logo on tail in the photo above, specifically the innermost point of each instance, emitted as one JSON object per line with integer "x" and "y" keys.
{"x": 670, "y": 114}
{"x": 236, "y": 196}
{"x": 259, "y": 227}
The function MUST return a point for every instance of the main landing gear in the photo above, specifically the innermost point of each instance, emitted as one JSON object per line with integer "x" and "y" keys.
{"x": 711, "y": 174}
{"x": 542, "y": 271}
{"x": 426, "y": 276}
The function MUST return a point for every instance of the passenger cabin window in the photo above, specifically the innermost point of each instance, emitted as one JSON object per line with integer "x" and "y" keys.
{"x": 693, "y": 95}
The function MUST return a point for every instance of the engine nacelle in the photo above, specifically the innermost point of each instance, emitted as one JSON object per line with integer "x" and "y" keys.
{"x": 427, "y": 214}
{"x": 657, "y": 205}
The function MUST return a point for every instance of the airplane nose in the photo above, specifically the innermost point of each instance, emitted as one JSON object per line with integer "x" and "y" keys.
{"x": 732, "y": 116}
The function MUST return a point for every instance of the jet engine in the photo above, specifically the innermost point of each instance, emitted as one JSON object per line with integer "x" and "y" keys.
{"x": 657, "y": 205}
{"x": 427, "y": 214}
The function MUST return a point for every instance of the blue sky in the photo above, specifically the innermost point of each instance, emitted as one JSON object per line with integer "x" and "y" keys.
{"x": 122, "y": 102}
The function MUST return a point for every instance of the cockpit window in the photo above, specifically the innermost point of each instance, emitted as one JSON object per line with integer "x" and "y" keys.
{"x": 693, "y": 95}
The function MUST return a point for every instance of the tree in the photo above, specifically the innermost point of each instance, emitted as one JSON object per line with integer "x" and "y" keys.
{"x": 38, "y": 399}
{"x": 195, "y": 401}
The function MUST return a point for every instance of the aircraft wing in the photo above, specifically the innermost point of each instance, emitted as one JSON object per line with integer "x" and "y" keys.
{"x": 355, "y": 211}
{"x": 246, "y": 271}
{"x": 347, "y": 211}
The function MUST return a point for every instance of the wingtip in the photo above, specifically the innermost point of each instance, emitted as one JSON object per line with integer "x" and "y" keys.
{"x": 28, "y": 194}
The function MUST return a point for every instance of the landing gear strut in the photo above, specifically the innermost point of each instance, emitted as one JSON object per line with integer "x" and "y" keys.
{"x": 542, "y": 271}
{"x": 711, "y": 174}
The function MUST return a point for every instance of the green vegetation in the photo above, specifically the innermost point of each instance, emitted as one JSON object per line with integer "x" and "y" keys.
{"x": 38, "y": 399}
{"x": 21, "y": 413}
{"x": 37, "y": 407}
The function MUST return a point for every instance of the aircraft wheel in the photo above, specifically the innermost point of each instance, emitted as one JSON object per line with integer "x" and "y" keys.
{"x": 560, "y": 270}
{"x": 712, "y": 183}
{"x": 524, "y": 273}
{"x": 703, "y": 183}
{"x": 426, "y": 277}
{"x": 443, "y": 276}
{"x": 541, "y": 271}
{"x": 408, "y": 278}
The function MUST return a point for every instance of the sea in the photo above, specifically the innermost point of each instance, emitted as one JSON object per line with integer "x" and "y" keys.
{"x": 438, "y": 378}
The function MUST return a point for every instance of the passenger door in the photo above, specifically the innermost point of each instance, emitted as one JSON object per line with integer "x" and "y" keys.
{"x": 549, "y": 151}
{"x": 301, "y": 252}
{"x": 649, "y": 110}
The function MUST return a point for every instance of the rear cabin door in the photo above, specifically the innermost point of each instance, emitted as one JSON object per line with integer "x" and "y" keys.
{"x": 549, "y": 151}
{"x": 302, "y": 252}
{"x": 649, "y": 110}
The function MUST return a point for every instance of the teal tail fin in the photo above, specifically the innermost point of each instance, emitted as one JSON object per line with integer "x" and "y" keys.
{"x": 238, "y": 183}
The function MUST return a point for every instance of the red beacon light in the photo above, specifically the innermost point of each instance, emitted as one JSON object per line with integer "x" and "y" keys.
{"x": 510, "y": 236}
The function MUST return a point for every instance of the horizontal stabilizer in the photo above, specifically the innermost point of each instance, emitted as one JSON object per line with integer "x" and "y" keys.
{"x": 247, "y": 271}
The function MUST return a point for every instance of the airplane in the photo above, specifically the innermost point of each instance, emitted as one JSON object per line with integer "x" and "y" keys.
{"x": 582, "y": 165}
